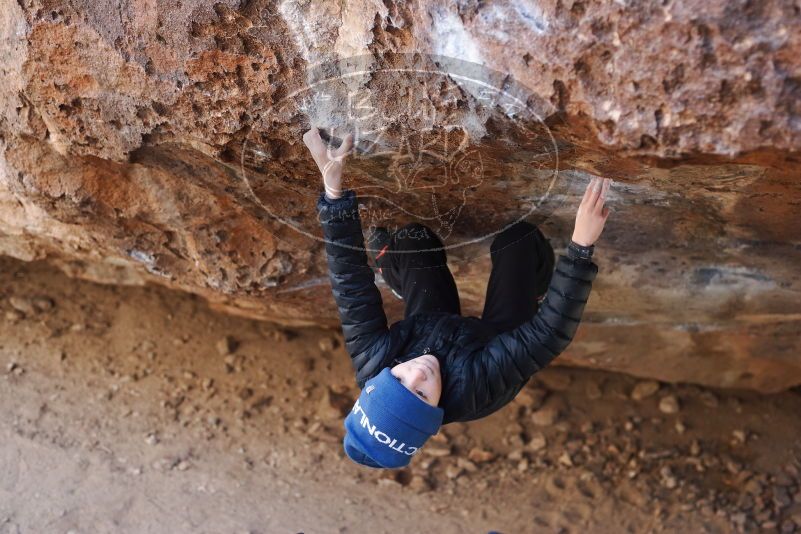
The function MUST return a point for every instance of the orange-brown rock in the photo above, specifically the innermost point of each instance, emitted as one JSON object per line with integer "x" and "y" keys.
{"x": 160, "y": 143}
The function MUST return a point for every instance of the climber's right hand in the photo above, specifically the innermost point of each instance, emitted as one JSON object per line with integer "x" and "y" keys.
{"x": 330, "y": 161}
{"x": 592, "y": 214}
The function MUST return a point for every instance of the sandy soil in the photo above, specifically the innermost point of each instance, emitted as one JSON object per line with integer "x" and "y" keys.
{"x": 140, "y": 410}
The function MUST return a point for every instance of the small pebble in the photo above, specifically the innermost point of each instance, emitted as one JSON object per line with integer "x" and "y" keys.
{"x": 515, "y": 455}
{"x": 668, "y": 479}
{"x": 537, "y": 442}
{"x": 669, "y": 404}
{"x": 453, "y": 471}
{"x": 227, "y": 345}
{"x": 628, "y": 426}
{"x": 546, "y": 415}
{"x": 480, "y": 456}
{"x": 709, "y": 399}
{"x": 43, "y": 304}
{"x": 530, "y": 398}
{"x": 22, "y": 305}
{"x": 437, "y": 451}
{"x": 643, "y": 390}
{"x": 327, "y": 344}
{"x": 467, "y": 465}
{"x": 419, "y": 484}
{"x": 13, "y": 316}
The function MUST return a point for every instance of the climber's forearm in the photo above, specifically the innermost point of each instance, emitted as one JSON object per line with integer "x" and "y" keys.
{"x": 534, "y": 344}
{"x": 358, "y": 300}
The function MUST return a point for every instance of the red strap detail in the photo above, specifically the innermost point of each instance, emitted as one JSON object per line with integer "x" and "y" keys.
{"x": 383, "y": 250}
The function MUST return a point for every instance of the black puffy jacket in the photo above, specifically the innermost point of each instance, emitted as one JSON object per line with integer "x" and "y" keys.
{"x": 482, "y": 370}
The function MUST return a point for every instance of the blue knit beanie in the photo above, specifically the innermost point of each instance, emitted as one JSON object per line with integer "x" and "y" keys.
{"x": 388, "y": 423}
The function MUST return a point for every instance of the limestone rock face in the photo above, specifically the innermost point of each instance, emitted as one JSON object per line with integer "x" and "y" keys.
{"x": 145, "y": 142}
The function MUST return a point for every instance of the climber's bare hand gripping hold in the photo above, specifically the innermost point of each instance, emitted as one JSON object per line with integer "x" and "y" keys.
{"x": 436, "y": 366}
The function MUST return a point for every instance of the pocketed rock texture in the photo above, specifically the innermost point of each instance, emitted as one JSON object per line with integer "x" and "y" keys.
{"x": 147, "y": 142}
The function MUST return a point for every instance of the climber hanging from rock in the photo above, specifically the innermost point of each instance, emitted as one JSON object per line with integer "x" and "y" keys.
{"x": 436, "y": 366}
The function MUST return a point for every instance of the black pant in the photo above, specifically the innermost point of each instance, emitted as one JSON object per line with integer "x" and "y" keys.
{"x": 522, "y": 266}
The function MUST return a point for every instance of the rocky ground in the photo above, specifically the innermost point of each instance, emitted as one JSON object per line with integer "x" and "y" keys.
{"x": 140, "y": 410}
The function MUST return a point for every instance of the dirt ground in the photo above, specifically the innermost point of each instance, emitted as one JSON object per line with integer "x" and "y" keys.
{"x": 140, "y": 410}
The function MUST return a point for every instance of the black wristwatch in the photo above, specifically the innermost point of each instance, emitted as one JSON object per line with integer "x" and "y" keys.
{"x": 576, "y": 251}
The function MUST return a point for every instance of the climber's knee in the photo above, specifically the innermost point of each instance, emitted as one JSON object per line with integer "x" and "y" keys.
{"x": 514, "y": 234}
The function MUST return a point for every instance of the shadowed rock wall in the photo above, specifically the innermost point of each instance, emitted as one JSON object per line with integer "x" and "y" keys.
{"x": 160, "y": 142}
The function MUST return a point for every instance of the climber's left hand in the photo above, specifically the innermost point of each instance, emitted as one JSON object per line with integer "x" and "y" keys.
{"x": 592, "y": 213}
{"x": 329, "y": 160}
